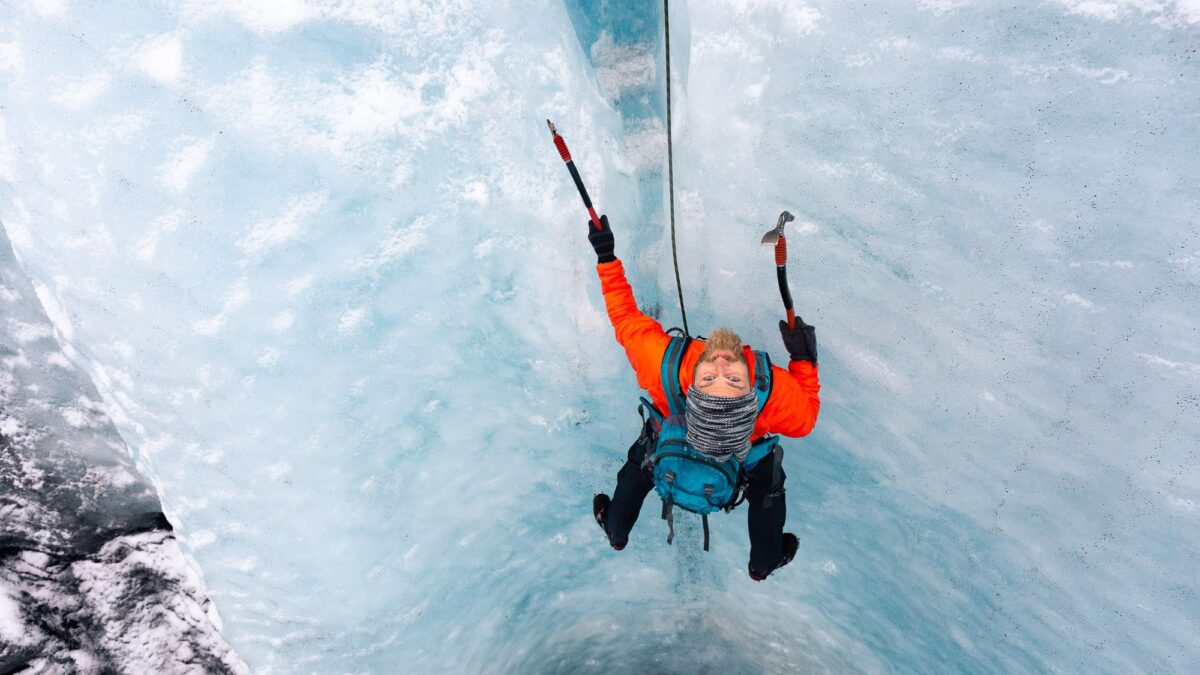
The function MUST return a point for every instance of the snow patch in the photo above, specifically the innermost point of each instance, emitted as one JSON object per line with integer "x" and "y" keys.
{"x": 401, "y": 174}
{"x": 268, "y": 357}
{"x": 1183, "y": 504}
{"x": 755, "y": 91}
{"x": 177, "y": 172}
{"x": 400, "y": 242}
{"x": 1076, "y": 299}
{"x": 24, "y": 333}
{"x": 793, "y": 15}
{"x": 621, "y": 69}
{"x": 278, "y": 470}
{"x": 12, "y": 58}
{"x": 261, "y": 17}
{"x": 475, "y": 192}
{"x": 162, "y": 58}
{"x": 644, "y": 148}
{"x": 11, "y": 427}
{"x": 299, "y": 285}
{"x": 80, "y": 93}
{"x": 880, "y": 50}
{"x": 372, "y": 103}
{"x": 85, "y": 414}
{"x": 944, "y": 6}
{"x": 287, "y": 226}
{"x": 236, "y": 296}
{"x": 12, "y": 626}
{"x": 147, "y": 246}
{"x": 1103, "y": 75}
{"x": 875, "y": 367}
{"x": 484, "y": 248}
{"x": 1165, "y": 13}
{"x": 353, "y": 320}
{"x": 48, "y": 8}
{"x": 283, "y": 321}
{"x": 963, "y": 54}
{"x": 8, "y": 158}
{"x": 18, "y": 360}
{"x": 1182, "y": 367}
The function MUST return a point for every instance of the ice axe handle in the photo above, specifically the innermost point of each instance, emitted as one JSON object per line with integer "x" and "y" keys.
{"x": 563, "y": 152}
{"x": 781, "y": 274}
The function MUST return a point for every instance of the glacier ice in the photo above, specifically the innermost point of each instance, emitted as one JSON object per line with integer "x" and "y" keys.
{"x": 92, "y": 578}
{"x": 328, "y": 275}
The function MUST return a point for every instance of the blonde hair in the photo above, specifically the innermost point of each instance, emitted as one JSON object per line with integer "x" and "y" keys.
{"x": 723, "y": 339}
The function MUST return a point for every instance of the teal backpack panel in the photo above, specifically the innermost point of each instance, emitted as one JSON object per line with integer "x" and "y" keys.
{"x": 687, "y": 478}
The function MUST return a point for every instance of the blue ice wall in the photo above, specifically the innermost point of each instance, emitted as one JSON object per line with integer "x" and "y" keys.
{"x": 328, "y": 273}
{"x": 624, "y": 49}
{"x": 997, "y": 244}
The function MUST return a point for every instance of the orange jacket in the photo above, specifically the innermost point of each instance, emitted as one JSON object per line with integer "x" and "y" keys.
{"x": 792, "y": 407}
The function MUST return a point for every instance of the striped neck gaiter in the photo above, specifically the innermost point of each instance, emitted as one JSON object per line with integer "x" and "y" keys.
{"x": 719, "y": 426}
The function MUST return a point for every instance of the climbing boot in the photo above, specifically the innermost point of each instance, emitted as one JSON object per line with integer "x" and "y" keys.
{"x": 600, "y": 511}
{"x": 790, "y": 546}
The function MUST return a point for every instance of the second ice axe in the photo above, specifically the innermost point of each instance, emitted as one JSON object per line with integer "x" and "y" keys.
{"x": 775, "y": 238}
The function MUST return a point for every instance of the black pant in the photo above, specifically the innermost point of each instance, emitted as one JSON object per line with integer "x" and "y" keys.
{"x": 764, "y": 494}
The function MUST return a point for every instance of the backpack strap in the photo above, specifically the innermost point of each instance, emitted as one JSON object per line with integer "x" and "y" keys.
{"x": 672, "y": 360}
{"x": 649, "y": 413}
{"x": 764, "y": 380}
{"x": 668, "y": 512}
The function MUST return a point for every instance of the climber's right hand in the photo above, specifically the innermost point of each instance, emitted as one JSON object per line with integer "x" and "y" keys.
{"x": 801, "y": 341}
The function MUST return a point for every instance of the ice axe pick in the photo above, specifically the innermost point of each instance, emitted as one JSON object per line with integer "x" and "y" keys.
{"x": 563, "y": 152}
{"x": 775, "y": 238}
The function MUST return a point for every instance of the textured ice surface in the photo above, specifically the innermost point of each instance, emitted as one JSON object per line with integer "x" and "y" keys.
{"x": 329, "y": 276}
{"x": 92, "y": 579}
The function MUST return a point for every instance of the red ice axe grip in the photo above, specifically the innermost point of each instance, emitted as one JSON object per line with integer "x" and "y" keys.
{"x": 781, "y": 275}
{"x": 566, "y": 157}
{"x": 562, "y": 148}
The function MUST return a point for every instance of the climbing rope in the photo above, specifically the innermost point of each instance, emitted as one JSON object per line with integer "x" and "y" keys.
{"x": 671, "y": 163}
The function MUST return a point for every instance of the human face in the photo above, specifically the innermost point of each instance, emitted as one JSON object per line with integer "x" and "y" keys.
{"x": 722, "y": 374}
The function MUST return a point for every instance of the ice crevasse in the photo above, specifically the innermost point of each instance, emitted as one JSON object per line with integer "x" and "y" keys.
{"x": 329, "y": 280}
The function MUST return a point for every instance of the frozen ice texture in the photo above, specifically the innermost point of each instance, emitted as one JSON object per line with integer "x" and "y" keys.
{"x": 329, "y": 277}
{"x": 92, "y": 579}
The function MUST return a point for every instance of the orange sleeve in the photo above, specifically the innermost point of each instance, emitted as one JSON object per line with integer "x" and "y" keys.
{"x": 643, "y": 338}
{"x": 794, "y": 403}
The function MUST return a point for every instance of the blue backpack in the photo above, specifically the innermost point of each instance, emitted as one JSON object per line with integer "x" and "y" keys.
{"x": 683, "y": 476}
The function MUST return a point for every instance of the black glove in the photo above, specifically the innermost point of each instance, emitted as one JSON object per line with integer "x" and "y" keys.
{"x": 801, "y": 341}
{"x": 602, "y": 240}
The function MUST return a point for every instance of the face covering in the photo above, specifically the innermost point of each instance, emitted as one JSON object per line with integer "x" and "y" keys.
{"x": 719, "y": 426}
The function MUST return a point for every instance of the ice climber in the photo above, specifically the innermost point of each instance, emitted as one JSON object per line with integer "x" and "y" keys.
{"x": 733, "y": 399}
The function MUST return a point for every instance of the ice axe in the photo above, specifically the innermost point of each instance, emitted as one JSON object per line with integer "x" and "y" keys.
{"x": 563, "y": 152}
{"x": 775, "y": 238}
